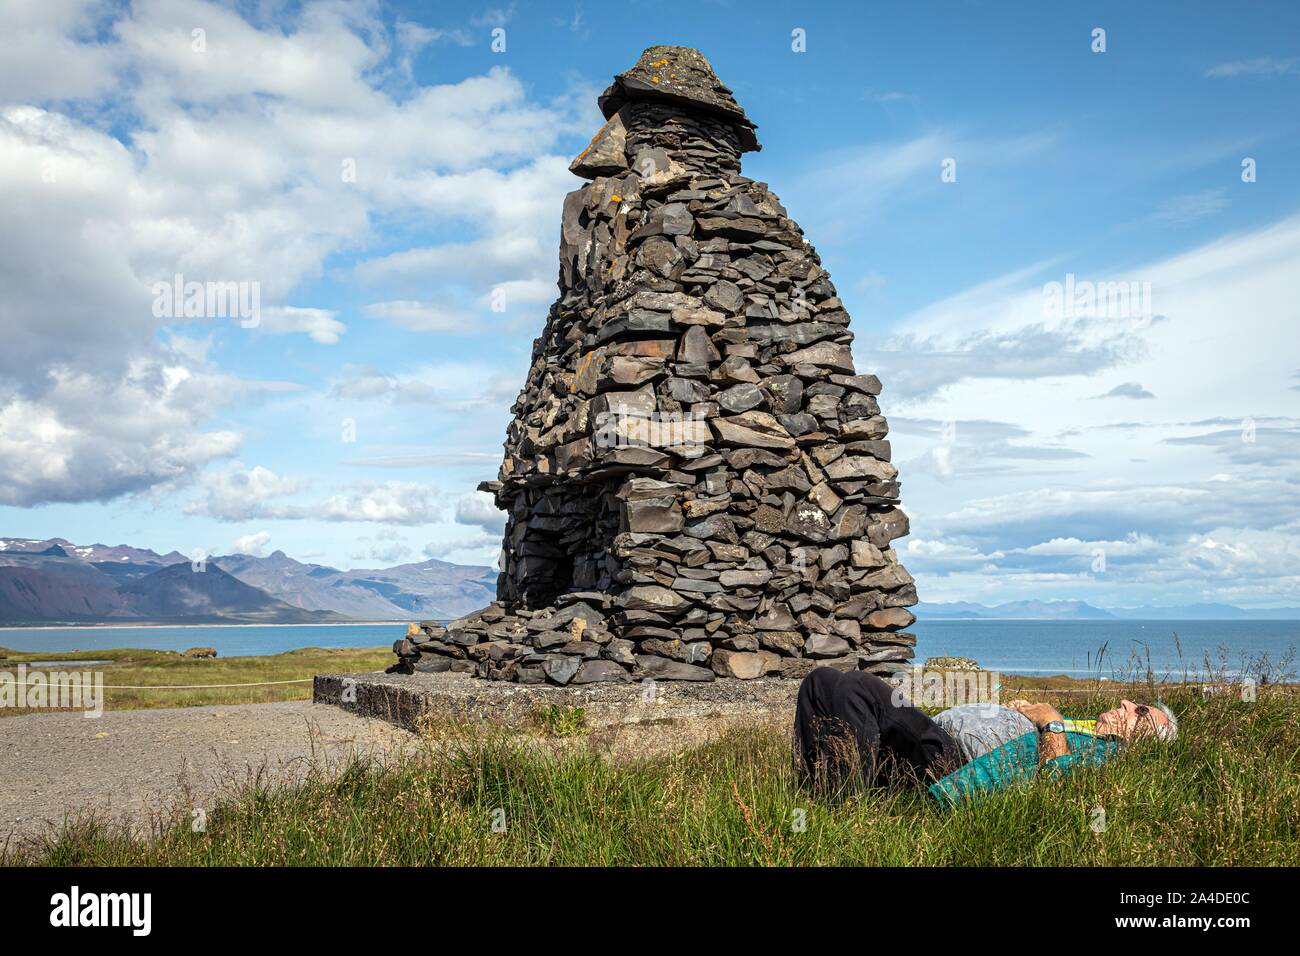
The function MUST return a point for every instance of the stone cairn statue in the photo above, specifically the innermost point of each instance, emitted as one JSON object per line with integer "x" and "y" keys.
{"x": 696, "y": 482}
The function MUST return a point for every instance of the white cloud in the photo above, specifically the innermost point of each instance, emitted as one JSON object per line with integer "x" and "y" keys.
{"x": 256, "y": 159}
{"x": 482, "y": 548}
{"x": 391, "y": 502}
{"x": 460, "y": 386}
{"x": 505, "y": 296}
{"x": 239, "y": 493}
{"x": 94, "y": 437}
{"x": 1127, "y": 390}
{"x": 320, "y": 324}
{"x": 494, "y": 17}
{"x": 1209, "y": 451}
{"x": 57, "y": 57}
{"x": 254, "y": 544}
{"x": 919, "y": 366}
{"x": 998, "y": 330}
{"x": 385, "y": 553}
{"x": 387, "y": 547}
{"x": 1132, "y": 545}
{"x": 479, "y": 508}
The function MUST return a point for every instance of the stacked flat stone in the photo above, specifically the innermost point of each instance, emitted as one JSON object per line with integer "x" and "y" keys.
{"x": 696, "y": 481}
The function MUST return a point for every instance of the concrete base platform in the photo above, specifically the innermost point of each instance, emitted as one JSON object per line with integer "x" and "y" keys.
{"x": 410, "y": 700}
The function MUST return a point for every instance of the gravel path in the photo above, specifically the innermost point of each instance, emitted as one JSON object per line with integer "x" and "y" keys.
{"x": 132, "y": 763}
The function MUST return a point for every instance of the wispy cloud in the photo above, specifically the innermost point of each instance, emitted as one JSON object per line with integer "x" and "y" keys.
{"x": 889, "y": 97}
{"x": 881, "y": 172}
{"x": 1259, "y": 66}
{"x": 1206, "y": 485}
{"x": 1188, "y": 208}
{"x": 425, "y": 317}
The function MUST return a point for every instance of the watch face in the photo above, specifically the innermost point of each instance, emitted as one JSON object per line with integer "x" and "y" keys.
{"x": 1056, "y": 727}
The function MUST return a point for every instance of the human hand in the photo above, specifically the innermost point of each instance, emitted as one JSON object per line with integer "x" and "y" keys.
{"x": 1042, "y": 714}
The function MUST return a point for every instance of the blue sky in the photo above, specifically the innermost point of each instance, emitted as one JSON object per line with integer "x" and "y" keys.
{"x": 381, "y": 172}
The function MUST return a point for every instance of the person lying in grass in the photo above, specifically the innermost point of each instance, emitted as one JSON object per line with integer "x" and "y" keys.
{"x": 853, "y": 723}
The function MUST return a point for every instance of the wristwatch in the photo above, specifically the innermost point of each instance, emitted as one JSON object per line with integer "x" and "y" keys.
{"x": 1053, "y": 727}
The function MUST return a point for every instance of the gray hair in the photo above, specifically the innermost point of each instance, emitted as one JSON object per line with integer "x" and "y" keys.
{"x": 1168, "y": 731}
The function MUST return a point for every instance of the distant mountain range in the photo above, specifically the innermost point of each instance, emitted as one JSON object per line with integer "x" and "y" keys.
{"x": 1018, "y": 610}
{"x": 408, "y": 592}
{"x": 56, "y": 581}
{"x": 1081, "y": 611}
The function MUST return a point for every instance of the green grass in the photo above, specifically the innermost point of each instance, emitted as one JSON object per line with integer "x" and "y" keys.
{"x": 556, "y": 721}
{"x": 1226, "y": 793}
{"x": 158, "y": 669}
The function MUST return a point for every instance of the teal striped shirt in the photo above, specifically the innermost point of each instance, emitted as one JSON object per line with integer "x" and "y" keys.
{"x": 1016, "y": 762}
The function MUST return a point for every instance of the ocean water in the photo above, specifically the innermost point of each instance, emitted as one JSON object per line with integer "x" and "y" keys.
{"x": 228, "y": 641}
{"x": 1075, "y": 648}
{"x": 1111, "y": 648}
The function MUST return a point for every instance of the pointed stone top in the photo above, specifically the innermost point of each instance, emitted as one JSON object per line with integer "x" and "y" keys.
{"x": 678, "y": 74}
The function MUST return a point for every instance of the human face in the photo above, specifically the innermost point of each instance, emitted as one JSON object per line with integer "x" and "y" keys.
{"x": 1130, "y": 720}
